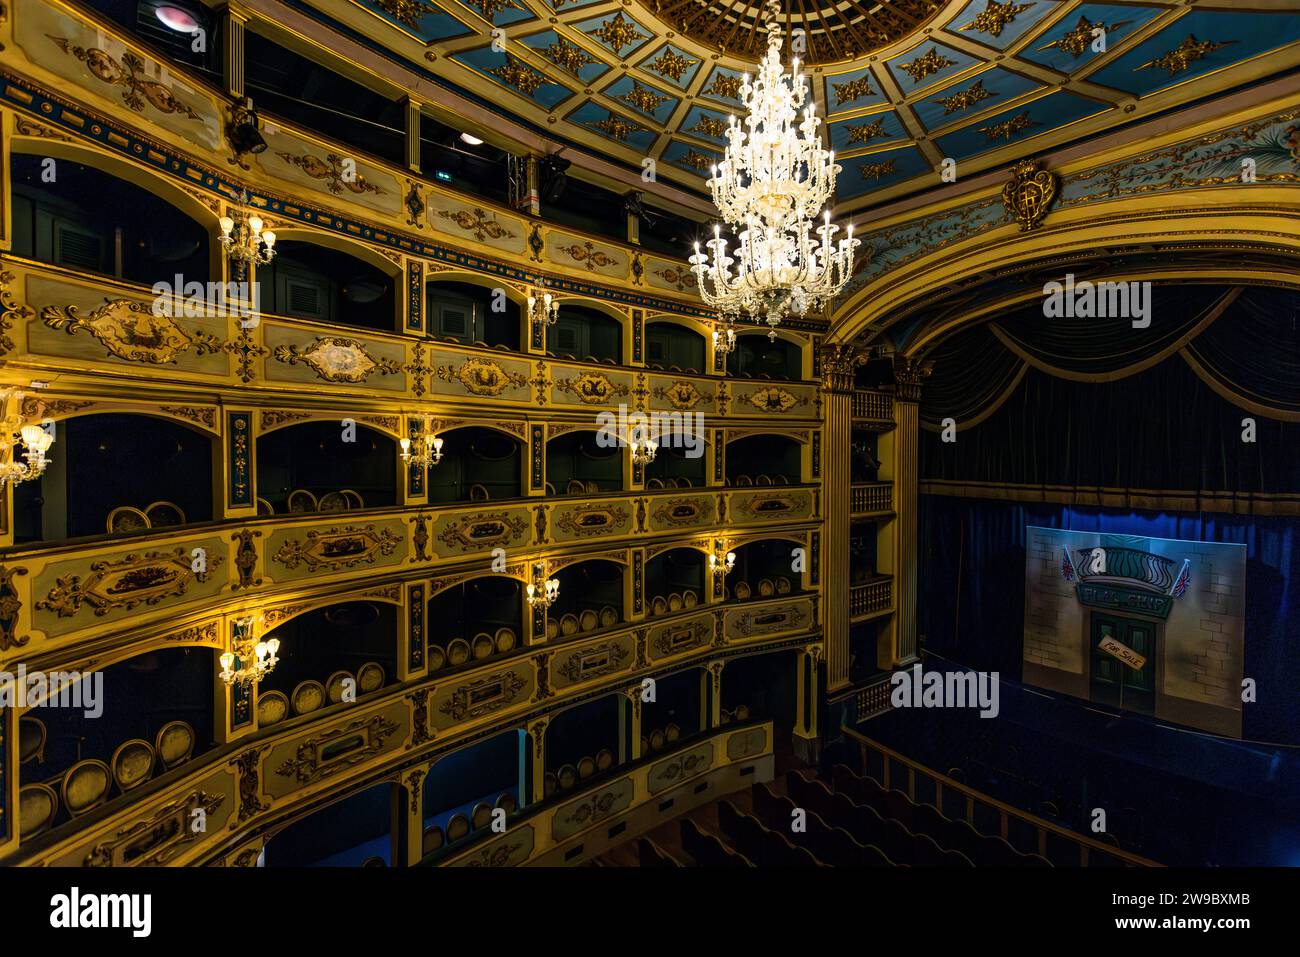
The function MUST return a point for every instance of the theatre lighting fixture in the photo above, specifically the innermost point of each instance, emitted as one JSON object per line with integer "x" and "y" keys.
{"x": 541, "y": 590}
{"x": 18, "y": 429}
{"x": 543, "y": 308}
{"x": 774, "y": 177}
{"x": 724, "y": 337}
{"x": 721, "y": 562}
{"x": 643, "y": 451}
{"x": 428, "y": 448}
{"x": 252, "y": 660}
{"x": 244, "y": 239}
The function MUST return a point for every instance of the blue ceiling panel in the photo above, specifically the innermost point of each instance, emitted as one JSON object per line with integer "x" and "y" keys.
{"x": 1020, "y": 123}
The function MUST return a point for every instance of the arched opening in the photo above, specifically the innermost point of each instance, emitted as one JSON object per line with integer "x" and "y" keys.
{"x": 591, "y": 599}
{"x": 760, "y": 688}
{"x": 112, "y": 731}
{"x": 578, "y": 464}
{"x": 472, "y": 314}
{"x": 672, "y": 347}
{"x": 764, "y": 569}
{"x": 354, "y": 832}
{"x": 674, "y": 581}
{"x": 477, "y": 464}
{"x": 585, "y": 334}
{"x": 581, "y": 744}
{"x": 764, "y": 460}
{"x": 307, "y": 280}
{"x": 117, "y": 473}
{"x": 676, "y": 713}
{"x": 69, "y": 214}
{"x": 675, "y": 467}
{"x": 758, "y": 357}
{"x": 326, "y": 466}
{"x": 474, "y": 620}
{"x": 334, "y": 655}
{"x": 463, "y": 788}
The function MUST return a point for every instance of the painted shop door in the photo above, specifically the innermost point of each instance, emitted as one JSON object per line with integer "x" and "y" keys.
{"x": 1118, "y": 678}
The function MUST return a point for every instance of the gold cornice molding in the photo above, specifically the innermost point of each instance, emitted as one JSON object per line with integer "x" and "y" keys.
{"x": 910, "y": 374}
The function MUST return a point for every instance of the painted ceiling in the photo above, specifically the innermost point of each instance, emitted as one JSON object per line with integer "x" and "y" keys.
{"x": 904, "y": 85}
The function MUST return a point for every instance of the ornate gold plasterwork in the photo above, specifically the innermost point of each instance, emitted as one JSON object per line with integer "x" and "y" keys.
{"x": 310, "y": 764}
{"x": 644, "y": 98}
{"x": 617, "y": 33}
{"x": 588, "y": 255}
{"x": 245, "y": 351}
{"x": 133, "y": 74}
{"x": 23, "y": 126}
{"x": 203, "y": 415}
{"x": 680, "y": 395}
{"x": 1181, "y": 58}
{"x": 927, "y": 64}
{"x": 774, "y": 399}
{"x": 418, "y": 370}
{"x": 478, "y": 221}
{"x": 199, "y": 634}
{"x": 124, "y": 583}
{"x": 671, "y": 64}
{"x": 490, "y": 8}
{"x": 35, "y": 407}
{"x": 333, "y": 171}
{"x": 615, "y": 126}
{"x": 996, "y": 16}
{"x": 909, "y": 374}
{"x": 709, "y": 126}
{"x": 482, "y": 376}
{"x": 337, "y": 547}
{"x": 10, "y": 606}
{"x": 853, "y": 90}
{"x": 865, "y": 132}
{"x": 1006, "y": 129}
{"x": 158, "y": 838}
{"x": 1029, "y": 195}
{"x": 482, "y": 530}
{"x": 483, "y": 696}
{"x": 246, "y": 558}
{"x": 876, "y": 171}
{"x": 674, "y": 641}
{"x": 597, "y": 661}
{"x": 132, "y": 331}
{"x": 11, "y": 311}
{"x": 693, "y": 159}
{"x": 839, "y": 365}
{"x": 725, "y": 85}
{"x": 568, "y": 56}
{"x": 519, "y": 75}
{"x": 337, "y": 359}
{"x": 592, "y": 388}
{"x": 1081, "y": 36}
{"x": 591, "y": 521}
{"x": 965, "y": 99}
{"x": 275, "y": 417}
{"x": 683, "y": 512}
{"x": 762, "y": 620}
{"x": 408, "y": 12}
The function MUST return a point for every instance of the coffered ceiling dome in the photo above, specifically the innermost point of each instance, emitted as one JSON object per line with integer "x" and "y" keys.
{"x": 833, "y": 30}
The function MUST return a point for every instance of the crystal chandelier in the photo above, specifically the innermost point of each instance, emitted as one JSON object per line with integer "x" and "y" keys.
{"x": 774, "y": 178}
{"x": 15, "y": 431}
{"x": 541, "y": 590}
{"x": 428, "y": 448}
{"x": 255, "y": 660}
{"x": 244, "y": 239}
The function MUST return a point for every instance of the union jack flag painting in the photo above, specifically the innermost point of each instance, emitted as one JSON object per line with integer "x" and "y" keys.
{"x": 1184, "y": 579}
{"x": 1067, "y": 566}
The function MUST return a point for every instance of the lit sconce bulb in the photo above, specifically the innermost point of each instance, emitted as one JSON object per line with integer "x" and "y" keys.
{"x": 260, "y": 649}
{"x": 406, "y": 445}
{"x": 532, "y": 590}
{"x": 268, "y": 237}
{"x": 273, "y": 646}
{"x": 255, "y": 224}
{"x": 227, "y": 224}
{"x": 731, "y": 559}
{"x": 227, "y": 661}
{"x": 35, "y": 438}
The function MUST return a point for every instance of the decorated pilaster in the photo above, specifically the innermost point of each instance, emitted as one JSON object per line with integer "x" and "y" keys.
{"x": 535, "y": 742}
{"x": 839, "y": 363}
{"x": 909, "y": 373}
{"x": 629, "y": 725}
{"x": 233, "y": 52}
{"x": 806, "y": 698}
{"x": 413, "y": 117}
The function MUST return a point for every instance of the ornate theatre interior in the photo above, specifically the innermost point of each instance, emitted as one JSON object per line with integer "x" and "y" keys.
{"x": 507, "y": 433}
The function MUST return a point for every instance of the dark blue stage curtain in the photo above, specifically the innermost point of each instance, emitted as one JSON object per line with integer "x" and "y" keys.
{"x": 972, "y": 588}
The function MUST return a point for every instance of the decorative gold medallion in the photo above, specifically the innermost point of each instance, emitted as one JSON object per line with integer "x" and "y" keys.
{"x": 337, "y": 359}
{"x": 591, "y": 388}
{"x": 482, "y": 376}
{"x": 994, "y": 17}
{"x": 1029, "y": 194}
{"x": 926, "y": 65}
{"x": 130, "y": 330}
{"x": 964, "y": 99}
{"x": 1181, "y": 58}
{"x": 853, "y": 90}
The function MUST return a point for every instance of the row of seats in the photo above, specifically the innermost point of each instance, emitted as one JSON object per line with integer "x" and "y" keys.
{"x": 866, "y": 794}
{"x": 825, "y": 841}
{"x": 760, "y": 844}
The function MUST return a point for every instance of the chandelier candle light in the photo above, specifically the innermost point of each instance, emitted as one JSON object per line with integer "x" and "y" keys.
{"x": 543, "y": 309}
{"x": 428, "y": 449}
{"x": 244, "y": 239}
{"x": 774, "y": 178}
{"x": 541, "y": 590}
{"x": 256, "y": 660}
{"x": 14, "y": 431}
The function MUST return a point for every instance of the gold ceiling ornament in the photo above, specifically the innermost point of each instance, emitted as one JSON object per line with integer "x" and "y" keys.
{"x": 1006, "y": 129}
{"x": 1081, "y": 36}
{"x": 996, "y": 16}
{"x": 695, "y": 160}
{"x": 1181, "y": 58}
{"x": 643, "y": 98}
{"x": 131, "y": 331}
{"x": 519, "y": 75}
{"x": 965, "y": 99}
{"x": 490, "y": 8}
{"x": 877, "y": 171}
{"x": 865, "y": 132}
{"x": 1029, "y": 194}
{"x": 926, "y": 65}
{"x": 671, "y": 64}
{"x": 615, "y": 126}
{"x": 725, "y": 85}
{"x": 408, "y": 12}
{"x": 853, "y": 90}
{"x": 709, "y": 126}
{"x": 568, "y": 56}
{"x": 617, "y": 33}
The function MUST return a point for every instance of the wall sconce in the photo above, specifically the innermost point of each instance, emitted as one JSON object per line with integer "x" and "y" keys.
{"x": 541, "y": 590}
{"x": 543, "y": 309}
{"x": 428, "y": 450}
{"x": 719, "y": 564}
{"x": 15, "y": 430}
{"x": 643, "y": 451}
{"x": 724, "y": 338}
{"x": 244, "y": 239}
{"x": 255, "y": 659}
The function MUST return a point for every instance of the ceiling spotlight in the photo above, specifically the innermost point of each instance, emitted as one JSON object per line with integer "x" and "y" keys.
{"x": 174, "y": 18}
{"x": 471, "y": 139}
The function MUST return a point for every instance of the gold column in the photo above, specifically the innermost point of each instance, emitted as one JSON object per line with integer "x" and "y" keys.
{"x": 536, "y": 744}
{"x": 413, "y": 117}
{"x": 839, "y": 363}
{"x": 715, "y": 693}
{"x": 629, "y": 719}
{"x": 233, "y": 58}
{"x": 409, "y": 806}
{"x": 909, "y": 373}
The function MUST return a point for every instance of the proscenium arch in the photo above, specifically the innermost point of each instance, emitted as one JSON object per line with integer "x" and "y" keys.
{"x": 1208, "y": 218}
